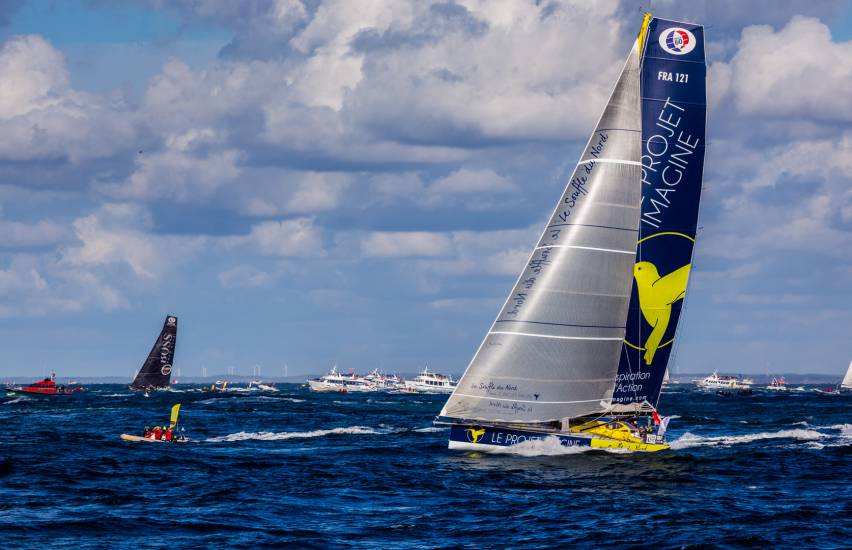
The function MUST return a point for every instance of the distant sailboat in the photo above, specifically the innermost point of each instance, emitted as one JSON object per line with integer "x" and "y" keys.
{"x": 847, "y": 380}
{"x": 157, "y": 369}
{"x": 580, "y": 347}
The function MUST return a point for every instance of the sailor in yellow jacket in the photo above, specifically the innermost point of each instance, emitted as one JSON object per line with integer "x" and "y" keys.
{"x": 656, "y": 296}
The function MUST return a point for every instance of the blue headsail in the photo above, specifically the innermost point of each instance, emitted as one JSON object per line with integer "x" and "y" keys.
{"x": 674, "y": 109}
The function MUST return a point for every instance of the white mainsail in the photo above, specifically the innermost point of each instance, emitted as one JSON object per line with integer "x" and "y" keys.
{"x": 847, "y": 380}
{"x": 553, "y": 351}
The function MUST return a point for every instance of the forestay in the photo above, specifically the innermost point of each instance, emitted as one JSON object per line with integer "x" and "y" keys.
{"x": 553, "y": 350}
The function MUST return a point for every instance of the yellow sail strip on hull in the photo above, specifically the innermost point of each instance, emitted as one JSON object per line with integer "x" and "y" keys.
{"x": 601, "y": 443}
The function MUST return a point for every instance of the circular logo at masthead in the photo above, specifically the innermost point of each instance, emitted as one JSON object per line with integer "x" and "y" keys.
{"x": 166, "y": 370}
{"x": 677, "y": 41}
{"x": 171, "y": 320}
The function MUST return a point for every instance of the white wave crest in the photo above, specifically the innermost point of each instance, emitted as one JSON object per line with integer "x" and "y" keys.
{"x": 688, "y": 439}
{"x": 430, "y": 429}
{"x": 275, "y": 436}
{"x": 17, "y": 400}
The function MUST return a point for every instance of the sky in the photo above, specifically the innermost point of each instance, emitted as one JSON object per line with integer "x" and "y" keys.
{"x": 309, "y": 182}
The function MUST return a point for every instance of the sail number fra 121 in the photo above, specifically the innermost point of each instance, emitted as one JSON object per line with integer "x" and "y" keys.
{"x": 673, "y": 77}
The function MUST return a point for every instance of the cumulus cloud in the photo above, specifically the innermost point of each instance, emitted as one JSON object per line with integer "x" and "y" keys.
{"x": 245, "y": 276}
{"x": 32, "y": 286}
{"x": 116, "y": 234}
{"x": 20, "y": 235}
{"x": 779, "y": 73}
{"x": 297, "y": 237}
{"x": 399, "y": 244}
{"x": 43, "y": 118}
{"x": 273, "y": 192}
{"x": 184, "y": 171}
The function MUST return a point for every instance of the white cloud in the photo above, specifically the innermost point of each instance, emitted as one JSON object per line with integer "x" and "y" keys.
{"x": 245, "y": 276}
{"x": 795, "y": 72}
{"x": 402, "y": 244}
{"x": 19, "y": 235}
{"x": 32, "y": 286}
{"x": 183, "y": 171}
{"x": 43, "y": 117}
{"x": 297, "y": 237}
{"x": 466, "y": 181}
{"x": 115, "y": 235}
{"x": 272, "y": 192}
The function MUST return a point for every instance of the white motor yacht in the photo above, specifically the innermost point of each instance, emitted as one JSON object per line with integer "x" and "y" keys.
{"x": 384, "y": 381}
{"x": 430, "y": 382}
{"x": 334, "y": 381}
{"x": 778, "y": 384}
{"x": 718, "y": 381}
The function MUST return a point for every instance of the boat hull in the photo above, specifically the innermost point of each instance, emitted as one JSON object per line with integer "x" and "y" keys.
{"x": 139, "y": 438}
{"x": 493, "y": 439}
{"x": 321, "y": 386}
{"x": 37, "y": 393}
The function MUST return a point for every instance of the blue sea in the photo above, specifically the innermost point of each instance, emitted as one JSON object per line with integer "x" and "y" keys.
{"x": 309, "y": 470}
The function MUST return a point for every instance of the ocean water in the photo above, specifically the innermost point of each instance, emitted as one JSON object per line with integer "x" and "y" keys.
{"x": 309, "y": 470}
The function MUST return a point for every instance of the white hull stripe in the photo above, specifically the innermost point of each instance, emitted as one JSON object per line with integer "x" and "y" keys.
{"x": 611, "y": 161}
{"x": 631, "y": 252}
{"x": 553, "y": 336}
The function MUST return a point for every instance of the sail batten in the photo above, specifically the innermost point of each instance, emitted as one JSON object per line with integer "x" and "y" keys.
{"x": 570, "y": 301}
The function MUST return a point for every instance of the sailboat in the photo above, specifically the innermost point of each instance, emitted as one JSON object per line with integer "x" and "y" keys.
{"x": 846, "y": 384}
{"x": 579, "y": 349}
{"x": 157, "y": 369}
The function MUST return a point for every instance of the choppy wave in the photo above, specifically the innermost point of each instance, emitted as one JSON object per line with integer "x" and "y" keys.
{"x": 18, "y": 399}
{"x": 689, "y": 439}
{"x": 275, "y": 436}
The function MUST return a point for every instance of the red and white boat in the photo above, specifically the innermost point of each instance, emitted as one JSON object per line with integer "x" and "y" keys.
{"x": 48, "y": 386}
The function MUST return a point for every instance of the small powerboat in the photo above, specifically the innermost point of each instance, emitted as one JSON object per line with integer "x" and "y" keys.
{"x": 46, "y": 387}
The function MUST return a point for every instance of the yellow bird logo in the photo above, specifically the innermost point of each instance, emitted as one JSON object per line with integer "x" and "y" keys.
{"x": 656, "y": 296}
{"x": 474, "y": 435}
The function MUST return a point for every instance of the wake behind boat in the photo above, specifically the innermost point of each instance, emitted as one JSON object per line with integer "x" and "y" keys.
{"x": 580, "y": 347}
{"x": 156, "y": 371}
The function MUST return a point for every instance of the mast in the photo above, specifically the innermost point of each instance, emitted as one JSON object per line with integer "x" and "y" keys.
{"x": 157, "y": 369}
{"x": 552, "y": 352}
{"x": 673, "y": 139}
